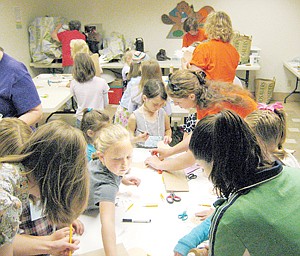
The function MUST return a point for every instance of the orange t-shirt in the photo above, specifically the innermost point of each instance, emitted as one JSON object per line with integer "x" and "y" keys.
{"x": 217, "y": 59}
{"x": 242, "y": 110}
{"x": 188, "y": 39}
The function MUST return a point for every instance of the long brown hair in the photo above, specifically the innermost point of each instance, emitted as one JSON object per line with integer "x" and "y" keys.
{"x": 55, "y": 157}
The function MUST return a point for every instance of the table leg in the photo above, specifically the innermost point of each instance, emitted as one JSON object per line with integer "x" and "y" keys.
{"x": 246, "y": 79}
{"x": 294, "y": 91}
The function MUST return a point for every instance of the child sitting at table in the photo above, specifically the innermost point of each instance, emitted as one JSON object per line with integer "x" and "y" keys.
{"x": 150, "y": 119}
{"x": 37, "y": 234}
{"x": 50, "y": 165}
{"x": 114, "y": 150}
{"x": 89, "y": 90}
{"x": 150, "y": 69}
{"x": 134, "y": 77}
{"x": 92, "y": 122}
{"x": 269, "y": 125}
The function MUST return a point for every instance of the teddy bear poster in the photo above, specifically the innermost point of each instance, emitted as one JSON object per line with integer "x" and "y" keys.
{"x": 180, "y": 13}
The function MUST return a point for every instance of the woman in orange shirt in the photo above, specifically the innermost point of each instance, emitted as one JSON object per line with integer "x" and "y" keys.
{"x": 216, "y": 57}
{"x": 190, "y": 89}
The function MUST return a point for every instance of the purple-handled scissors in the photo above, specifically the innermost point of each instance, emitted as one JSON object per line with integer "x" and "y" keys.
{"x": 173, "y": 198}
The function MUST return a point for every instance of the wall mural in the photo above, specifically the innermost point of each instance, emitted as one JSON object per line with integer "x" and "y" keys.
{"x": 179, "y": 14}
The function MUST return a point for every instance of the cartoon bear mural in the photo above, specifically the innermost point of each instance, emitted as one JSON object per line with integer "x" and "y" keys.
{"x": 179, "y": 14}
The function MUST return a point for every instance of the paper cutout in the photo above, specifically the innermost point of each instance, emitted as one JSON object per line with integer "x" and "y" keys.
{"x": 180, "y": 13}
{"x": 121, "y": 251}
{"x": 175, "y": 181}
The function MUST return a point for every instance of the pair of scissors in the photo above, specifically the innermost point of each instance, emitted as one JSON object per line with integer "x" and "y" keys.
{"x": 191, "y": 176}
{"x": 183, "y": 216}
{"x": 173, "y": 198}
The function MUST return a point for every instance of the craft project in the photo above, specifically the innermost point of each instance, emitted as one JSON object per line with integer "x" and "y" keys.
{"x": 180, "y": 13}
{"x": 121, "y": 251}
{"x": 175, "y": 181}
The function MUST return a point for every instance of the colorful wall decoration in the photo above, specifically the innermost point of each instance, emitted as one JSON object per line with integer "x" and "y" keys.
{"x": 178, "y": 15}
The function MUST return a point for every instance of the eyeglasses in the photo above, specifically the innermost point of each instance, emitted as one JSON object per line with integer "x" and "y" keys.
{"x": 173, "y": 87}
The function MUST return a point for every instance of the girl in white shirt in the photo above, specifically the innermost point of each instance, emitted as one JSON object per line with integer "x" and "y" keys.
{"x": 89, "y": 90}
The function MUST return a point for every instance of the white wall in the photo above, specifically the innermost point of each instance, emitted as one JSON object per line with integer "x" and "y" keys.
{"x": 274, "y": 26}
{"x": 13, "y": 40}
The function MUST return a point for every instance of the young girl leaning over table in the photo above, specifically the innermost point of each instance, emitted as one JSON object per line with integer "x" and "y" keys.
{"x": 268, "y": 123}
{"x": 50, "y": 166}
{"x": 37, "y": 234}
{"x": 114, "y": 150}
{"x": 92, "y": 122}
{"x": 150, "y": 119}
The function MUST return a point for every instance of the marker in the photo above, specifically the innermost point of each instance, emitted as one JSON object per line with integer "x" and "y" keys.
{"x": 70, "y": 238}
{"x": 139, "y": 130}
{"x": 150, "y": 205}
{"x": 207, "y": 205}
{"x": 137, "y": 220}
{"x": 162, "y": 197}
{"x": 130, "y": 206}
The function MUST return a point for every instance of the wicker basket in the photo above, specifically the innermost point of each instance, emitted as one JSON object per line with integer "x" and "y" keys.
{"x": 242, "y": 44}
{"x": 264, "y": 89}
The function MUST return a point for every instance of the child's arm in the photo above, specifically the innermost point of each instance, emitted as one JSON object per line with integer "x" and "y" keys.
{"x": 198, "y": 235}
{"x": 132, "y": 127}
{"x": 107, "y": 219}
{"x": 105, "y": 95}
{"x": 168, "y": 131}
{"x": 56, "y": 244}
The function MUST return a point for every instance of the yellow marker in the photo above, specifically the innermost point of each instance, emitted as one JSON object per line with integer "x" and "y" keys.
{"x": 70, "y": 238}
{"x": 162, "y": 197}
{"x": 150, "y": 205}
{"x": 207, "y": 205}
{"x": 130, "y": 206}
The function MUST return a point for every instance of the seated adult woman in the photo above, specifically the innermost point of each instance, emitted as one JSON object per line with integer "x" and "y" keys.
{"x": 258, "y": 212}
{"x": 189, "y": 89}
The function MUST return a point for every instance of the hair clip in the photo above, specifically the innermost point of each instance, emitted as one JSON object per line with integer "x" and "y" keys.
{"x": 89, "y": 109}
{"x": 272, "y": 107}
{"x": 200, "y": 76}
{"x": 173, "y": 87}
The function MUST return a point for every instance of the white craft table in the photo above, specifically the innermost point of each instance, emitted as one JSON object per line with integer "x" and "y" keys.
{"x": 158, "y": 237}
{"x": 294, "y": 68}
{"x": 53, "y": 92}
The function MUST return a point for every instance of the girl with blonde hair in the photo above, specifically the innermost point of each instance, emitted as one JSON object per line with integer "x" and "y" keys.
{"x": 51, "y": 165}
{"x": 114, "y": 150}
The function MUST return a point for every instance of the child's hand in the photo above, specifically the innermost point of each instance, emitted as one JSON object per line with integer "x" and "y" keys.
{"x": 78, "y": 226}
{"x": 142, "y": 137}
{"x": 153, "y": 162}
{"x": 167, "y": 139}
{"x": 131, "y": 181}
{"x": 205, "y": 213}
